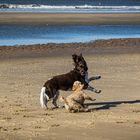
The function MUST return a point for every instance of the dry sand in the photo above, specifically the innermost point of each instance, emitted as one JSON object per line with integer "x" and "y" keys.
{"x": 117, "y": 108}
{"x": 70, "y": 18}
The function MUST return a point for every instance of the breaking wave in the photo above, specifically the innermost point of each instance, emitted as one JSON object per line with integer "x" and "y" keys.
{"x": 36, "y": 6}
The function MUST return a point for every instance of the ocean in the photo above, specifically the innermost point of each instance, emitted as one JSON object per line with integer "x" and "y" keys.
{"x": 42, "y": 34}
{"x": 79, "y": 6}
{"x": 11, "y": 35}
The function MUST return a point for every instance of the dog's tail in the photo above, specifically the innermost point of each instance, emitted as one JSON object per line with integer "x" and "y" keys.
{"x": 43, "y": 98}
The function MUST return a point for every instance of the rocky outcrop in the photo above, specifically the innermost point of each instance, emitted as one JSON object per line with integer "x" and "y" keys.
{"x": 4, "y": 5}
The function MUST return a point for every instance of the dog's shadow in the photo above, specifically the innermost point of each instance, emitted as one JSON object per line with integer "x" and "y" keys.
{"x": 108, "y": 105}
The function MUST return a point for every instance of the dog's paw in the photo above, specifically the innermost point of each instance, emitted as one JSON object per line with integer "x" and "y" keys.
{"x": 54, "y": 107}
{"x": 61, "y": 106}
{"x": 98, "y": 91}
{"x": 99, "y": 77}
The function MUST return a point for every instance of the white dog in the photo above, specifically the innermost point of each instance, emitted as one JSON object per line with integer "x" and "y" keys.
{"x": 75, "y": 101}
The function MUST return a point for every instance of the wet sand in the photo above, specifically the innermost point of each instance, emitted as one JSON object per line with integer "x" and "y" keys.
{"x": 69, "y": 18}
{"x": 116, "y": 111}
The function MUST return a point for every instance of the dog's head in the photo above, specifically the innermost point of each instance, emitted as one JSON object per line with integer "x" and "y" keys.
{"x": 77, "y": 86}
{"x": 80, "y": 64}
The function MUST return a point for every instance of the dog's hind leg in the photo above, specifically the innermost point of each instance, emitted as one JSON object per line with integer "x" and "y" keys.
{"x": 43, "y": 98}
{"x": 78, "y": 108}
{"x": 55, "y": 99}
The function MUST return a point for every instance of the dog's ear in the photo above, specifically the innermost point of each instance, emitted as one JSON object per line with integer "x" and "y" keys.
{"x": 75, "y": 85}
{"x": 77, "y": 58}
{"x": 74, "y": 57}
{"x": 81, "y": 57}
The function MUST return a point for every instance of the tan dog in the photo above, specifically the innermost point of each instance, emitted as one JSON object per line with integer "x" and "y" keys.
{"x": 75, "y": 101}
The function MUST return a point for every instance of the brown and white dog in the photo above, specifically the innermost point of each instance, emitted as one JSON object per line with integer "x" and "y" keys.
{"x": 50, "y": 89}
{"x": 75, "y": 101}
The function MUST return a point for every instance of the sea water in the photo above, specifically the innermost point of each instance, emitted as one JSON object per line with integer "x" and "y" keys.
{"x": 42, "y": 34}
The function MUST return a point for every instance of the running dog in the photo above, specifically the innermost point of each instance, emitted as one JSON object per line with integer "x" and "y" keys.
{"x": 75, "y": 101}
{"x": 50, "y": 89}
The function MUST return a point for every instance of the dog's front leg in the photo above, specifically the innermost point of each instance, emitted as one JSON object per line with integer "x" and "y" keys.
{"x": 91, "y": 78}
{"x": 94, "y": 78}
{"x": 93, "y": 89}
{"x": 88, "y": 98}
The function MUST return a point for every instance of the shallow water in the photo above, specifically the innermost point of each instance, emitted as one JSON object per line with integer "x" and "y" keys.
{"x": 36, "y": 34}
{"x": 67, "y": 10}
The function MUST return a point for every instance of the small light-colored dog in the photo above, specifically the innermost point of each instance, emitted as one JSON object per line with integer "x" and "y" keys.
{"x": 75, "y": 101}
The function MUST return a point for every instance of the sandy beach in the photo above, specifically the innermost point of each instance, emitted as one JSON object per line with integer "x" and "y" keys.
{"x": 116, "y": 115}
{"x": 69, "y": 18}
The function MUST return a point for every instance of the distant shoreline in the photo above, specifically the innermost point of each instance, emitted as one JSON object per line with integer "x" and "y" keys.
{"x": 99, "y": 47}
{"x": 70, "y": 18}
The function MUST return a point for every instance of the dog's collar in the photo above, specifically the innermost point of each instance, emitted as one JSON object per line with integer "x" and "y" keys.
{"x": 76, "y": 71}
{"x": 79, "y": 72}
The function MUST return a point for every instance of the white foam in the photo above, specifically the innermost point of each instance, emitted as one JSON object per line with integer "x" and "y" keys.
{"x": 34, "y": 6}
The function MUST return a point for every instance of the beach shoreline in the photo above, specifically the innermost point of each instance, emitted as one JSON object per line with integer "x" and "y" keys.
{"x": 24, "y": 69}
{"x": 70, "y": 18}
